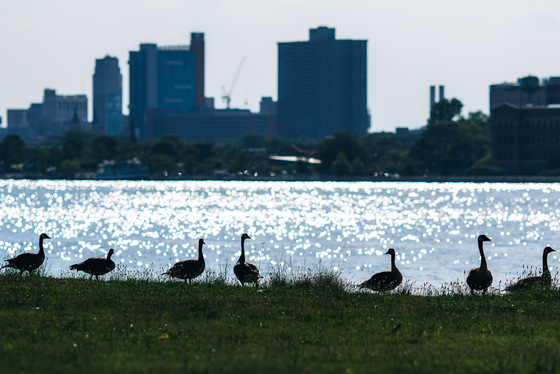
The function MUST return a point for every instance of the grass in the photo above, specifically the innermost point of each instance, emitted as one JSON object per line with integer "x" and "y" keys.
{"x": 293, "y": 323}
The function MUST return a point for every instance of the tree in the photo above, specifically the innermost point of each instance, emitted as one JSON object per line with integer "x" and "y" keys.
{"x": 449, "y": 147}
{"x": 341, "y": 166}
{"x": 445, "y": 110}
{"x": 165, "y": 147}
{"x": 105, "y": 148}
{"x": 341, "y": 142}
{"x": 12, "y": 150}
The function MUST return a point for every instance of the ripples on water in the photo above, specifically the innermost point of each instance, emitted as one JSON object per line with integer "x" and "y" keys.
{"x": 347, "y": 226}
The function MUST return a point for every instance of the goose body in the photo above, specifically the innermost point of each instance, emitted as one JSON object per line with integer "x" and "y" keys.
{"x": 96, "y": 265}
{"x": 544, "y": 280}
{"x": 480, "y": 278}
{"x": 385, "y": 280}
{"x": 189, "y": 269}
{"x": 246, "y": 272}
{"x": 28, "y": 261}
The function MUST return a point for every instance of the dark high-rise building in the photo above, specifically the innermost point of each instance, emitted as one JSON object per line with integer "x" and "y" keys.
{"x": 322, "y": 86}
{"x": 169, "y": 79}
{"x": 107, "y": 96}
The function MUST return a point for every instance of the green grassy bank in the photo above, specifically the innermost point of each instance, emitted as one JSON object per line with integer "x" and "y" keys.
{"x": 76, "y": 325}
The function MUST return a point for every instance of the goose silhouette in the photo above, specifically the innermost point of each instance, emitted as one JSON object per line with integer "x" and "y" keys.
{"x": 96, "y": 265}
{"x": 246, "y": 272}
{"x": 28, "y": 261}
{"x": 480, "y": 278}
{"x": 385, "y": 280}
{"x": 544, "y": 280}
{"x": 189, "y": 269}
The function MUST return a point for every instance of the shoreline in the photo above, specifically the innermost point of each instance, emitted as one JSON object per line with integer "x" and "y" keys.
{"x": 312, "y": 178}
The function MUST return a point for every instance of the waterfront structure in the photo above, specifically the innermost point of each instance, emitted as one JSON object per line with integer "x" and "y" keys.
{"x": 210, "y": 125}
{"x": 322, "y": 86}
{"x": 169, "y": 79}
{"x": 527, "y": 91}
{"x": 49, "y": 119}
{"x": 526, "y": 139}
{"x": 107, "y": 96}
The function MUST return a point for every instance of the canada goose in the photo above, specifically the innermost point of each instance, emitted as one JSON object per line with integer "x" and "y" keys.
{"x": 188, "y": 269}
{"x": 96, "y": 265}
{"x": 385, "y": 280}
{"x": 544, "y": 280}
{"x": 246, "y": 271}
{"x": 480, "y": 278}
{"x": 28, "y": 261}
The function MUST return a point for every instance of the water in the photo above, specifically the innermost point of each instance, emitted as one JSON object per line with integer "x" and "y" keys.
{"x": 346, "y": 226}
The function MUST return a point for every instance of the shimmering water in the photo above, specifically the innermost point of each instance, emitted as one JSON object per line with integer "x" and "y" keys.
{"x": 347, "y": 226}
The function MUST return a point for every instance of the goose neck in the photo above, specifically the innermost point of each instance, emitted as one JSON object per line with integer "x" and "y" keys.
{"x": 41, "y": 245}
{"x": 393, "y": 264}
{"x": 242, "y": 257}
{"x": 483, "y": 258}
{"x": 200, "y": 255}
{"x": 545, "y": 263}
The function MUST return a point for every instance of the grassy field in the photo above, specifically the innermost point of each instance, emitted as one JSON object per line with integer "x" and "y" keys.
{"x": 313, "y": 325}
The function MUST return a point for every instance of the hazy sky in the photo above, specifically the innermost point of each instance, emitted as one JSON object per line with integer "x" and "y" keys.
{"x": 412, "y": 44}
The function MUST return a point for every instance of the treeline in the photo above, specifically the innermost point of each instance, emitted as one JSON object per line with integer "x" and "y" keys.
{"x": 450, "y": 144}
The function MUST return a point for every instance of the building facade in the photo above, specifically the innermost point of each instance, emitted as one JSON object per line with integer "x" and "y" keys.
{"x": 49, "y": 119}
{"x": 528, "y": 91}
{"x": 526, "y": 139}
{"x": 165, "y": 78}
{"x": 107, "y": 96}
{"x": 322, "y": 86}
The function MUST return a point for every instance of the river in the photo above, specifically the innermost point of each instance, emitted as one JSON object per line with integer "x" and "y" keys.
{"x": 344, "y": 226}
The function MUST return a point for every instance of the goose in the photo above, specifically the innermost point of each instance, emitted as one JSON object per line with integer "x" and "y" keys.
{"x": 188, "y": 269}
{"x": 96, "y": 265}
{"x": 246, "y": 271}
{"x": 544, "y": 280}
{"x": 480, "y": 278}
{"x": 28, "y": 261}
{"x": 385, "y": 280}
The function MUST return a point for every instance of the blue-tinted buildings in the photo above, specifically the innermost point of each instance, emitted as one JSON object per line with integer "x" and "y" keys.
{"x": 322, "y": 86}
{"x": 107, "y": 96}
{"x": 165, "y": 80}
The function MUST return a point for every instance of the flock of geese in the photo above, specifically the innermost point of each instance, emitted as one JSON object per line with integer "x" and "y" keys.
{"x": 479, "y": 279}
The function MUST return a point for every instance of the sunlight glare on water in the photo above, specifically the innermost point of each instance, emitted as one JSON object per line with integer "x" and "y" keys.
{"x": 346, "y": 226}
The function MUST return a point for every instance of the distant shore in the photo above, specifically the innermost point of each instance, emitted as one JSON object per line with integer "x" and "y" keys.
{"x": 313, "y": 178}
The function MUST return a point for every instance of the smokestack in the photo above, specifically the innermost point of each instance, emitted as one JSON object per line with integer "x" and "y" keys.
{"x": 441, "y": 95}
{"x": 432, "y": 96}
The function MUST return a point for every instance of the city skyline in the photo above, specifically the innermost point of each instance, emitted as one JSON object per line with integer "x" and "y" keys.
{"x": 464, "y": 46}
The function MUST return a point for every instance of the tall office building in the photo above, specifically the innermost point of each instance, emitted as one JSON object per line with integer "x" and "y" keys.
{"x": 322, "y": 86}
{"x": 165, "y": 80}
{"x": 107, "y": 96}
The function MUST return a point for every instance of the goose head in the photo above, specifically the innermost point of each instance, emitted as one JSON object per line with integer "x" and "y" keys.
{"x": 547, "y": 250}
{"x": 44, "y": 236}
{"x": 391, "y": 251}
{"x": 484, "y": 238}
{"x": 201, "y": 241}
{"x": 245, "y": 236}
{"x": 111, "y": 252}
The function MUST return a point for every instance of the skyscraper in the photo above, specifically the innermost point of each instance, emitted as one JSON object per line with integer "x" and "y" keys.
{"x": 165, "y": 80}
{"x": 322, "y": 86}
{"x": 107, "y": 96}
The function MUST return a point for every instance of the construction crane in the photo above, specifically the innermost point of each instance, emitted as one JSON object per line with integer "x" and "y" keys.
{"x": 227, "y": 95}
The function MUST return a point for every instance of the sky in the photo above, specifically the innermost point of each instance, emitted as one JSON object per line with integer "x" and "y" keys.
{"x": 465, "y": 45}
